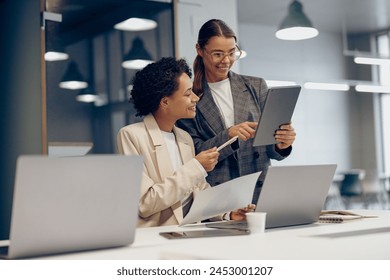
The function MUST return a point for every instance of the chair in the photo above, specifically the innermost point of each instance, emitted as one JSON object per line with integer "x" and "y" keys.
{"x": 351, "y": 188}
{"x": 375, "y": 187}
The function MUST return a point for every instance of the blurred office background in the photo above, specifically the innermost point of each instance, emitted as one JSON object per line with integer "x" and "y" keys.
{"x": 341, "y": 116}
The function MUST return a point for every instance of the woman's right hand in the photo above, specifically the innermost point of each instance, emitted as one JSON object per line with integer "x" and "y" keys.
{"x": 208, "y": 158}
{"x": 244, "y": 131}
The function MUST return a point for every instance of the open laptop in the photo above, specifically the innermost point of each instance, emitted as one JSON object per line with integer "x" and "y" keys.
{"x": 73, "y": 203}
{"x": 291, "y": 195}
{"x": 278, "y": 109}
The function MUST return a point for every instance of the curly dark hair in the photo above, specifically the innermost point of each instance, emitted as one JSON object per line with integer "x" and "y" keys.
{"x": 155, "y": 81}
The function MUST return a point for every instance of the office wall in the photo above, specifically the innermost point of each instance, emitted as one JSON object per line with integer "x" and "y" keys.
{"x": 20, "y": 94}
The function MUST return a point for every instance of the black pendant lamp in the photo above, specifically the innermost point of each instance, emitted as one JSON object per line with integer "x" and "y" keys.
{"x": 138, "y": 57}
{"x": 296, "y": 25}
{"x": 72, "y": 78}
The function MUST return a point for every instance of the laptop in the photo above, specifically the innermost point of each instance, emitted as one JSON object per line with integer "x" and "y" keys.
{"x": 291, "y": 195}
{"x": 278, "y": 109}
{"x": 73, "y": 203}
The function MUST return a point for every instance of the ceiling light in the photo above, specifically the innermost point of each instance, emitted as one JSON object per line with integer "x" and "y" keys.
{"x": 276, "y": 83}
{"x": 372, "y": 88}
{"x": 296, "y": 25}
{"x": 87, "y": 95}
{"x": 372, "y": 61}
{"x": 54, "y": 47}
{"x": 243, "y": 54}
{"x": 56, "y": 56}
{"x": 136, "y": 24}
{"x": 138, "y": 57}
{"x": 55, "y": 51}
{"x": 72, "y": 78}
{"x": 327, "y": 86}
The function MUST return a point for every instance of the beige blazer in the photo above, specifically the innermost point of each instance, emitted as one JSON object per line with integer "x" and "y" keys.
{"x": 162, "y": 189}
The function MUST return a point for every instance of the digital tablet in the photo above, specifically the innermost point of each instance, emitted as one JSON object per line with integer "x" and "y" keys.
{"x": 278, "y": 109}
{"x": 203, "y": 233}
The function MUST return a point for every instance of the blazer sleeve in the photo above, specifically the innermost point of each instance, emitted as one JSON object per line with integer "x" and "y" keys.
{"x": 157, "y": 195}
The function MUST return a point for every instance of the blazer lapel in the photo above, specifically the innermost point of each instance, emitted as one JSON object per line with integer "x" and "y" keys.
{"x": 185, "y": 149}
{"x": 162, "y": 156}
{"x": 240, "y": 98}
{"x": 207, "y": 106}
{"x": 163, "y": 159}
{"x": 186, "y": 154}
{"x": 209, "y": 110}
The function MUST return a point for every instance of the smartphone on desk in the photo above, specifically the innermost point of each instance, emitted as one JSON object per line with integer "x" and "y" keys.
{"x": 203, "y": 233}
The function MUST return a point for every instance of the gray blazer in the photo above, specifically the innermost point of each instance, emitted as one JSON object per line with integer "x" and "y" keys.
{"x": 208, "y": 130}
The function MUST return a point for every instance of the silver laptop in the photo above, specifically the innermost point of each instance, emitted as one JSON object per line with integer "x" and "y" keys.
{"x": 73, "y": 204}
{"x": 291, "y": 195}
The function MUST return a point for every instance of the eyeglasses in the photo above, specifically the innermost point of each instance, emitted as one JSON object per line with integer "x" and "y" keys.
{"x": 218, "y": 56}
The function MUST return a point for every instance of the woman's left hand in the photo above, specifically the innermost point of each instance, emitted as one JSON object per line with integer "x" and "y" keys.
{"x": 239, "y": 214}
{"x": 285, "y": 136}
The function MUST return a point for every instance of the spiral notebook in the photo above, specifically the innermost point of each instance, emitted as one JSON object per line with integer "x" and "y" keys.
{"x": 338, "y": 216}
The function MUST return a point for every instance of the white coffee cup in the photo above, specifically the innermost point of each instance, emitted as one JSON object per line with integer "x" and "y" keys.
{"x": 256, "y": 221}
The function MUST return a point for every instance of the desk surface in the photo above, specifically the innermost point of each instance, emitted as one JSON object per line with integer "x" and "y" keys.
{"x": 358, "y": 239}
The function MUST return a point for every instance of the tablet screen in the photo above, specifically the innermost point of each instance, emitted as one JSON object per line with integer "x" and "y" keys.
{"x": 278, "y": 109}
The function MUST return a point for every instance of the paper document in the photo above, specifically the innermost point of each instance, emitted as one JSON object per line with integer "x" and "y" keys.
{"x": 231, "y": 195}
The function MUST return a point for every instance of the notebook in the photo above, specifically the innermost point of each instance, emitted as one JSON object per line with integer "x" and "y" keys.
{"x": 340, "y": 216}
{"x": 73, "y": 203}
{"x": 278, "y": 109}
{"x": 291, "y": 195}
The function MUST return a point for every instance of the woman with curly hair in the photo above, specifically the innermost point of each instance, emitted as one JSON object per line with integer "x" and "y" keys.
{"x": 162, "y": 92}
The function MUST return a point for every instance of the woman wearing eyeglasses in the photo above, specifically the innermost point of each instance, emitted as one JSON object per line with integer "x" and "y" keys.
{"x": 230, "y": 105}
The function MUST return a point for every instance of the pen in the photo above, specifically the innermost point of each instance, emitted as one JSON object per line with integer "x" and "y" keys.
{"x": 227, "y": 143}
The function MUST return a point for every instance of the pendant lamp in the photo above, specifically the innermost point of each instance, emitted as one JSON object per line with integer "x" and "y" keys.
{"x": 138, "y": 57}
{"x": 136, "y": 24}
{"x": 296, "y": 25}
{"x": 72, "y": 78}
{"x": 55, "y": 51}
{"x": 87, "y": 95}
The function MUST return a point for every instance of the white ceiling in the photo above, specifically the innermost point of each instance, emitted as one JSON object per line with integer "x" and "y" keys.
{"x": 327, "y": 15}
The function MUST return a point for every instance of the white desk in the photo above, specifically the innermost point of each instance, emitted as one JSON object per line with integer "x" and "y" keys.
{"x": 359, "y": 239}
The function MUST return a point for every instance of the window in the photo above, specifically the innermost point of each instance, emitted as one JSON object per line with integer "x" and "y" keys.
{"x": 384, "y": 78}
